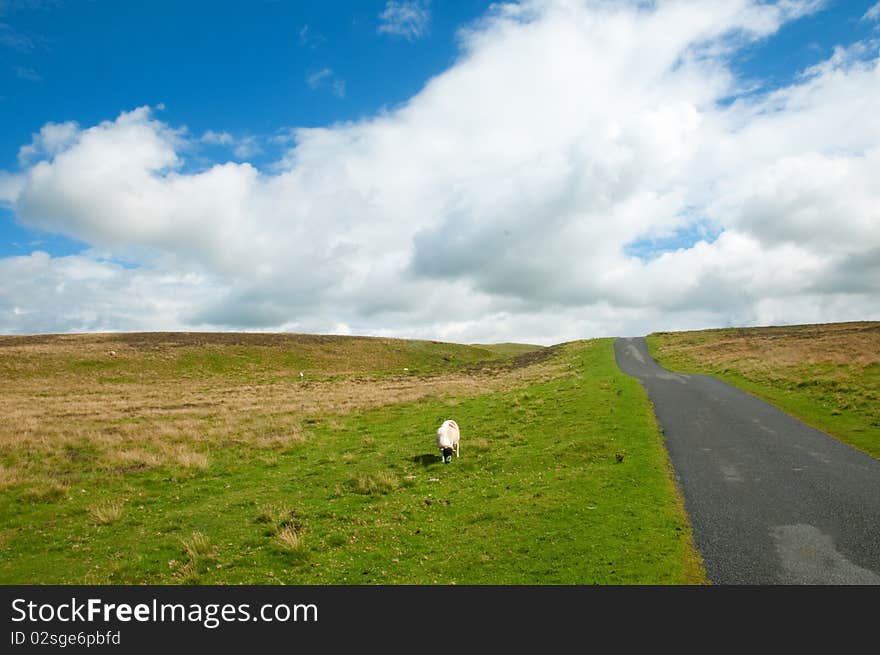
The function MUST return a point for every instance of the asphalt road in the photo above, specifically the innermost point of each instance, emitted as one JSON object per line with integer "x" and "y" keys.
{"x": 771, "y": 500}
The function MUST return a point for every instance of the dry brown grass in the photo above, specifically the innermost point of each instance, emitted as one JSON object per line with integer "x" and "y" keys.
{"x": 44, "y": 490}
{"x": 827, "y": 375}
{"x": 133, "y": 459}
{"x": 10, "y": 477}
{"x": 291, "y": 539}
{"x": 285, "y": 526}
{"x": 281, "y": 438}
{"x": 380, "y": 482}
{"x": 198, "y": 547}
{"x": 279, "y": 516}
{"x": 106, "y": 512}
{"x": 72, "y": 401}
{"x": 856, "y": 344}
{"x": 183, "y": 456}
{"x": 199, "y": 552}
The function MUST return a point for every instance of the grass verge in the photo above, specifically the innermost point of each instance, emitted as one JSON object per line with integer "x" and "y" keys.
{"x": 828, "y": 375}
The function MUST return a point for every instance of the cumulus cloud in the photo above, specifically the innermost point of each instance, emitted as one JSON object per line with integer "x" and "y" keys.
{"x": 42, "y": 294}
{"x": 873, "y": 13}
{"x": 408, "y": 19}
{"x": 10, "y": 187}
{"x": 50, "y": 140}
{"x": 500, "y": 203}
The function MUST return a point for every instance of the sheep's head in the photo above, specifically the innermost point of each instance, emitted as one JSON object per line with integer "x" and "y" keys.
{"x": 447, "y": 455}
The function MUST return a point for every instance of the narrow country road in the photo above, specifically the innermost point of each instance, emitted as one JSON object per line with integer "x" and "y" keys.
{"x": 771, "y": 500}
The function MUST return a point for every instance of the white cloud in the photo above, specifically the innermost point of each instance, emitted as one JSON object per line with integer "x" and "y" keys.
{"x": 325, "y": 76}
{"x": 314, "y": 80}
{"x": 49, "y": 141}
{"x": 408, "y": 19}
{"x": 242, "y": 147}
{"x": 42, "y": 294}
{"x": 499, "y": 202}
{"x": 247, "y": 146}
{"x": 873, "y": 13}
{"x": 10, "y": 187}
{"x": 309, "y": 38}
{"x": 217, "y": 138}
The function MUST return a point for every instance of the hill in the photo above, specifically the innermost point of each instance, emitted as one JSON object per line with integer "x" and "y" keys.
{"x": 209, "y": 458}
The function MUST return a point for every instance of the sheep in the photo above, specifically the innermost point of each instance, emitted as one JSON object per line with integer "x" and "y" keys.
{"x": 448, "y": 439}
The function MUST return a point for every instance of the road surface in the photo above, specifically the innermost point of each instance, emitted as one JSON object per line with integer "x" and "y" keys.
{"x": 771, "y": 500}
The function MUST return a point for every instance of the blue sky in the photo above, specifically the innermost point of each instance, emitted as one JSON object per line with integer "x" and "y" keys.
{"x": 227, "y": 66}
{"x": 806, "y": 41}
{"x": 238, "y": 66}
{"x": 235, "y": 83}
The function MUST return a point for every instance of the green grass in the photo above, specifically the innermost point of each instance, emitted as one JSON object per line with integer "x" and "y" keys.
{"x": 509, "y": 349}
{"x": 254, "y": 358}
{"x": 561, "y": 481}
{"x": 823, "y": 375}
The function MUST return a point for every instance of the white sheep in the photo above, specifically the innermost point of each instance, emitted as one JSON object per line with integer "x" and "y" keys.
{"x": 448, "y": 439}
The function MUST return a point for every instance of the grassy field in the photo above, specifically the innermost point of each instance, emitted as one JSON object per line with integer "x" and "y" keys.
{"x": 509, "y": 349}
{"x": 260, "y": 459}
{"x": 826, "y": 375}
